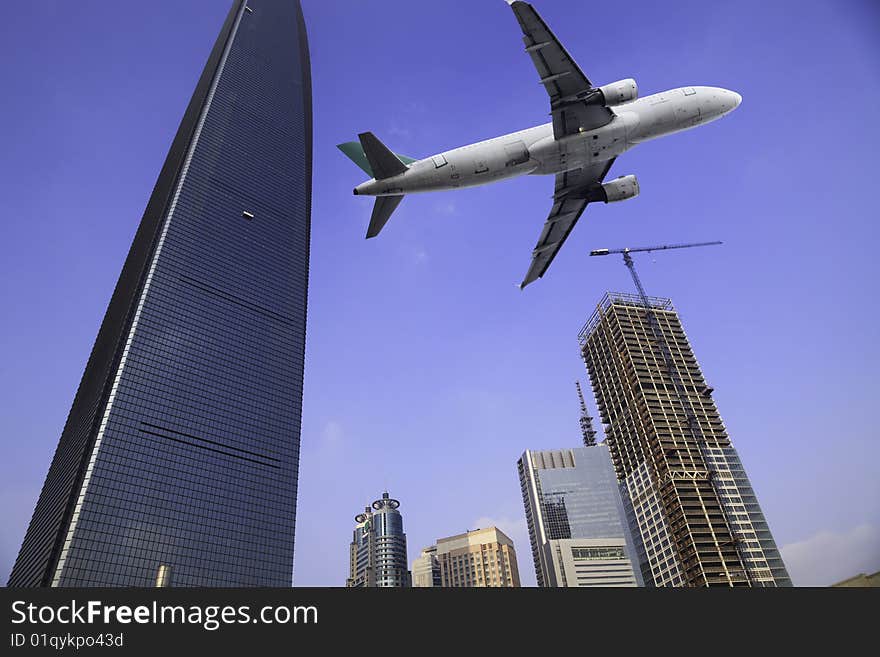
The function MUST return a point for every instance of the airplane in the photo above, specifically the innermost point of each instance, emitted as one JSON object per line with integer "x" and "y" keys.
{"x": 591, "y": 127}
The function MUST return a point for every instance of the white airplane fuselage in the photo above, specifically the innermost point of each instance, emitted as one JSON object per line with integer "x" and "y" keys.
{"x": 535, "y": 151}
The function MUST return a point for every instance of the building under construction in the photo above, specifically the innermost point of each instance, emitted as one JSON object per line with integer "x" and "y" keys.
{"x": 689, "y": 499}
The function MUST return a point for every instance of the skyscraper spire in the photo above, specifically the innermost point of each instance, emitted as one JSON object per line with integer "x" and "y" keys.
{"x": 587, "y": 430}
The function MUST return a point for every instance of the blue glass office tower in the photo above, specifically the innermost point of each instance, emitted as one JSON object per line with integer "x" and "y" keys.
{"x": 577, "y": 522}
{"x": 178, "y": 462}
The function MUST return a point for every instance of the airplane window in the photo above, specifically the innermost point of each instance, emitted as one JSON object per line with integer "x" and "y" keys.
{"x": 690, "y": 91}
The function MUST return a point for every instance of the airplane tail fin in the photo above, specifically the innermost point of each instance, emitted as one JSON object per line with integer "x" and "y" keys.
{"x": 383, "y": 162}
{"x": 385, "y": 205}
{"x": 356, "y": 152}
{"x": 378, "y": 162}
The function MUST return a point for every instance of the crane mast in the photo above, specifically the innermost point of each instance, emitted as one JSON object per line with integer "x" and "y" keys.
{"x": 695, "y": 431}
{"x": 587, "y": 430}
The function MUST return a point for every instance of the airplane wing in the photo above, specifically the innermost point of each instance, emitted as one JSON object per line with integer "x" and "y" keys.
{"x": 560, "y": 75}
{"x": 570, "y": 198}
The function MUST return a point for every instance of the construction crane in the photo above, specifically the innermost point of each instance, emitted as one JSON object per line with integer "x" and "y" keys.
{"x": 587, "y": 430}
{"x": 694, "y": 429}
{"x": 627, "y": 259}
{"x": 654, "y": 324}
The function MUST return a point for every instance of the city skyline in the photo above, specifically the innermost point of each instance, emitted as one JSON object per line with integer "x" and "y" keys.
{"x": 417, "y": 346}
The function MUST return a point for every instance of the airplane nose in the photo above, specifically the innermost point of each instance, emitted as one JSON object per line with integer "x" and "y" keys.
{"x": 737, "y": 99}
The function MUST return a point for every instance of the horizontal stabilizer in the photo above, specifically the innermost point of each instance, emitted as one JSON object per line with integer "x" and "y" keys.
{"x": 385, "y": 205}
{"x": 383, "y": 162}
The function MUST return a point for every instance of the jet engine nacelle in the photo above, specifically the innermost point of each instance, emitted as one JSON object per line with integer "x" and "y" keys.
{"x": 615, "y": 190}
{"x": 618, "y": 92}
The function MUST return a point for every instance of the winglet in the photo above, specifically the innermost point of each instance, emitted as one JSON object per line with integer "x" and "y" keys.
{"x": 539, "y": 266}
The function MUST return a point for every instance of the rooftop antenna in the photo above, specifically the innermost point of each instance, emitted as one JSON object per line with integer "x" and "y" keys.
{"x": 587, "y": 430}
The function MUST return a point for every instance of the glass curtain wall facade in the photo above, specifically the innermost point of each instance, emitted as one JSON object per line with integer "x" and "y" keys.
{"x": 178, "y": 463}
{"x": 576, "y": 519}
{"x": 377, "y": 553}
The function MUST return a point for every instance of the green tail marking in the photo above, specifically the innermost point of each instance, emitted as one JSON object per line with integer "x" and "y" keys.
{"x": 356, "y": 154}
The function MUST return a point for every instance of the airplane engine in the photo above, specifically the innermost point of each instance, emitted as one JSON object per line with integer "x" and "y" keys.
{"x": 618, "y": 92}
{"x": 615, "y": 190}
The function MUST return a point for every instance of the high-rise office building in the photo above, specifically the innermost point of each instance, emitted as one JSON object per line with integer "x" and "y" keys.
{"x": 696, "y": 516}
{"x": 576, "y": 519}
{"x": 478, "y": 558}
{"x": 426, "y": 569}
{"x": 377, "y": 553}
{"x": 179, "y": 459}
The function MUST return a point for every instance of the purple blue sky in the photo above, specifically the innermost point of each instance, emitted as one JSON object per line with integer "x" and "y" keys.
{"x": 428, "y": 372}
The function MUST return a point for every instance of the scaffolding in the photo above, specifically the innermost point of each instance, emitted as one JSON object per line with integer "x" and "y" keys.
{"x": 695, "y": 513}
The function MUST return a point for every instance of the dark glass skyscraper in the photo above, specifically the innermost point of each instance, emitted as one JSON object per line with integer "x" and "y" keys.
{"x": 178, "y": 462}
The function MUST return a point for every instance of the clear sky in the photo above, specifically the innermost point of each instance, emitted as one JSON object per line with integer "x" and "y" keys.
{"x": 428, "y": 372}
